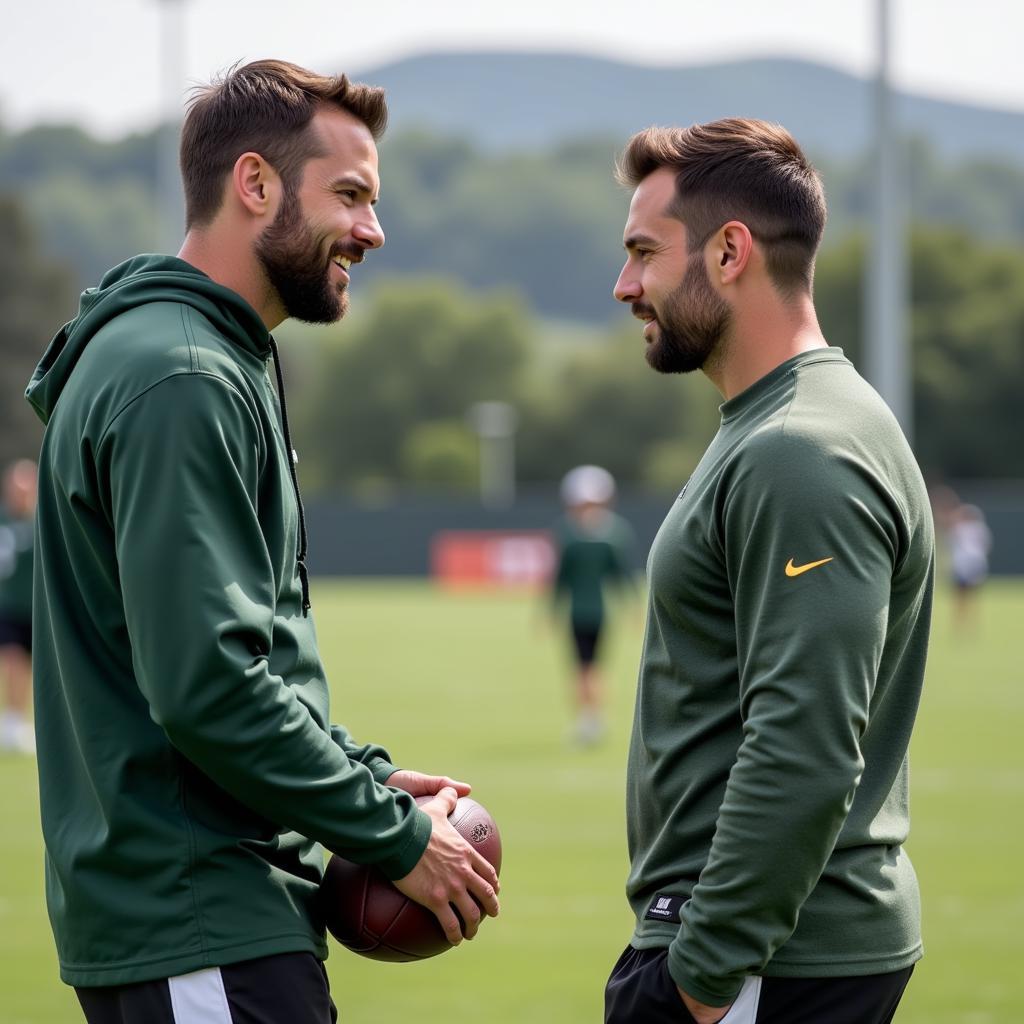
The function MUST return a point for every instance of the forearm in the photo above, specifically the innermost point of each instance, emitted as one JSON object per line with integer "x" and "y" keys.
{"x": 248, "y": 732}
{"x": 374, "y": 757}
{"x": 776, "y": 830}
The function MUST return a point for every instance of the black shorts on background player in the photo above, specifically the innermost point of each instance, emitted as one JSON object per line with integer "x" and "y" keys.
{"x": 16, "y": 633}
{"x": 585, "y": 640}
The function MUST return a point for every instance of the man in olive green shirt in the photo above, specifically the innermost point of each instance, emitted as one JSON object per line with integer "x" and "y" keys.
{"x": 790, "y": 596}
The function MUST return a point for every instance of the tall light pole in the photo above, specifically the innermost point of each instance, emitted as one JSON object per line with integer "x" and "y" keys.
{"x": 172, "y": 80}
{"x": 886, "y": 344}
{"x": 495, "y": 424}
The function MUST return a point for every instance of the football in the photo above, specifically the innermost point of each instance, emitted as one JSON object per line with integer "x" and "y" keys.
{"x": 366, "y": 913}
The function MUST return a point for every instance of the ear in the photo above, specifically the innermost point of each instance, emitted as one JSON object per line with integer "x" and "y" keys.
{"x": 256, "y": 185}
{"x": 730, "y": 249}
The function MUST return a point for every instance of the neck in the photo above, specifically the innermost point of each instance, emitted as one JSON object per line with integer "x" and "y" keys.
{"x": 762, "y": 335}
{"x": 233, "y": 265}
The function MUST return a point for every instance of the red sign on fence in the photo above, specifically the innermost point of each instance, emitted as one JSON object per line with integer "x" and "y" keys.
{"x": 492, "y": 557}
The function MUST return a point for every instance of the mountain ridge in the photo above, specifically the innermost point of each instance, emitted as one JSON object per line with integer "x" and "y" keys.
{"x": 509, "y": 100}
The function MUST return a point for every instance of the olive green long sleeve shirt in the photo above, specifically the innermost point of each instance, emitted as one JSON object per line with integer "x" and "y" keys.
{"x": 790, "y": 595}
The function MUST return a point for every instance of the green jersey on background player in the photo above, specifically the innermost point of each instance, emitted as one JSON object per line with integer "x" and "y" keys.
{"x": 594, "y": 551}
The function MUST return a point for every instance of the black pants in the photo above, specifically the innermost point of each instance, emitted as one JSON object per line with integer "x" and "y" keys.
{"x": 641, "y": 991}
{"x": 290, "y": 988}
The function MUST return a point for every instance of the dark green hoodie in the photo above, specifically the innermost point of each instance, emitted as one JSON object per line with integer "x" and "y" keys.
{"x": 187, "y": 767}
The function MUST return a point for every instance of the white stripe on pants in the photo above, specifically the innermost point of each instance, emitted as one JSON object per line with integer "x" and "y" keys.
{"x": 199, "y": 998}
{"x": 744, "y": 1010}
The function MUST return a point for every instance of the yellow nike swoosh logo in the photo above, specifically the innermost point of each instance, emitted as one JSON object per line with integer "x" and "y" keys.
{"x": 796, "y": 570}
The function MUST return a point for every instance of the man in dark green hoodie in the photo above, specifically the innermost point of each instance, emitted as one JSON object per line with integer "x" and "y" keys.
{"x": 787, "y": 629}
{"x": 188, "y": 769}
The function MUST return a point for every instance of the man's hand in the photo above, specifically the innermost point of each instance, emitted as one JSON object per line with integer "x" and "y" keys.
{"x": 418, "y": 784}
{"x": 450, "y": 876}
{"x": 701, "y": 1012}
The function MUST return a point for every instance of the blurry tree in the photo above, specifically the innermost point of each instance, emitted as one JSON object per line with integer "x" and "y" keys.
{"x": 390, "y": 388}
{"x": 93, "y": 200}
{"x": 968, "y": 329}
{"x": 547, "y": 222}
{"x": 386, "y": 395}
{"x": 441, "y": 455}
{"x": 382, "y": 399}
{"x": 36, "y": 297}
{"x": 605, "y": 405}
{"x": 34, "y": 154}
{"x": 103, "y": 225}
{"x": 838, "y": 295}
{"x": 967, "y": 337}
{"x": 984, "y": 197}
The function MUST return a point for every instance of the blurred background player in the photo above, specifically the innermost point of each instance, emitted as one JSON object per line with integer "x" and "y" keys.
{"x": 970, "y": 542}
{"x": 593, "y": 545}
{"x": 19, "y": 500}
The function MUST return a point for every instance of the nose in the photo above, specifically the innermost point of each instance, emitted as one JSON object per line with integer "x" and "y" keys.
{"x": 627, "y": 287}
{"x": 368, "y": 231}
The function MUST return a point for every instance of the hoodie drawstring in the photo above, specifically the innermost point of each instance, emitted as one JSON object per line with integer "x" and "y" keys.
{"x": 292, "y": 458}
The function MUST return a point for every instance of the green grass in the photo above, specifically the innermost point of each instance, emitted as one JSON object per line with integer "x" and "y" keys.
{"x": 475, "y": 686}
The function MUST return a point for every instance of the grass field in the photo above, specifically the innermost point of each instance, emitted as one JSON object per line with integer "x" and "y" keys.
{"x": 474, "y": 685}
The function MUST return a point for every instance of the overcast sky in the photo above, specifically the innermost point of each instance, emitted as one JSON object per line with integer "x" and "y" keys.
{"x": 97, "y": 62}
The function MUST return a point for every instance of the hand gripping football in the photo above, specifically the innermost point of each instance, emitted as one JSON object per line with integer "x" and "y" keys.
{"x": 366, "y": 913}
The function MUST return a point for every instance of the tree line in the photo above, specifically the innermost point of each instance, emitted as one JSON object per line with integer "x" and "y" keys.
{"x": 546, "y": 222}
{"x": 385, "y": 396}
{"x": 495, "y": 284}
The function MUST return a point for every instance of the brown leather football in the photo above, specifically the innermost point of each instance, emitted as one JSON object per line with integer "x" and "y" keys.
{"x": 366, "y": 913}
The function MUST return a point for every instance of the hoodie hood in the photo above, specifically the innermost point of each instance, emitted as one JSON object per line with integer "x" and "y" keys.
{"x": 136, "y": 282}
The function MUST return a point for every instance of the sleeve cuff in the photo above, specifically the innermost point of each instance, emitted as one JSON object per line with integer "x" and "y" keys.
{"x": 406, "y": 859}
{"x": 705, "y": 989}
{"x": 381, "y": 769}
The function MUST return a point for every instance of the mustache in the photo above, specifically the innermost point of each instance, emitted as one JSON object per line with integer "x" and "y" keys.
{"x": 641, "y": 309}
{"x": 354, "y": 253}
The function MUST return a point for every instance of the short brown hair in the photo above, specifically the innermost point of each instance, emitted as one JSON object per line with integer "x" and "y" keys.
{"x": 739, "y": 169}
{"x": 265, "y": 107}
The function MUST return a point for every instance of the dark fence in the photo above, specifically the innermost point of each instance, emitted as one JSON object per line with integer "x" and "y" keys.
{"x": 393, "y": 537}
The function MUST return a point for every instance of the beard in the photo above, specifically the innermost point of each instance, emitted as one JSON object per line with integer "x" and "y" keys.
{"x": 691, "y": 325}
{"x": 292, "y": 258}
